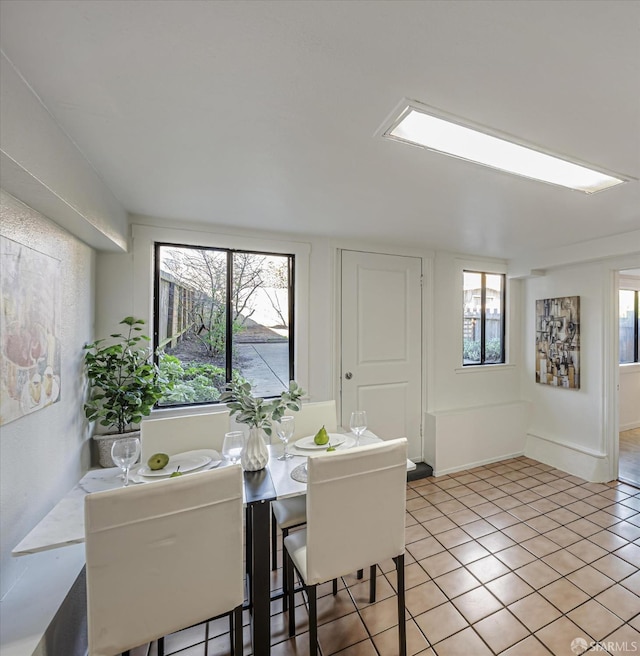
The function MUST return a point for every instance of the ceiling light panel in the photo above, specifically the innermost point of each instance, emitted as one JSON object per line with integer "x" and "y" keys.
{"x": 418, "y": 125}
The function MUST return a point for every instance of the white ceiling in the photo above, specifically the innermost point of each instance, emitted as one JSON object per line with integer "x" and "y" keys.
{"x": 263, "y": 114}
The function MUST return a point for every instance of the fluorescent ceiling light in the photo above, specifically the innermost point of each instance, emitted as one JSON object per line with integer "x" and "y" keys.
{"x": 423, "y": 126}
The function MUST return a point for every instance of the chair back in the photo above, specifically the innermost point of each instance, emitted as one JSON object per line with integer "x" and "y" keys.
{"x": 356, "y": 502}
{"x": 173, "y": 435}
{"x": 161, "y": 557}
{"x": 312, "y": 416}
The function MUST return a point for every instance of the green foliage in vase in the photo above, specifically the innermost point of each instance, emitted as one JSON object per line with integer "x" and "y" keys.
{"x": 257, "y": 412}
{"x": 125, "y": 382}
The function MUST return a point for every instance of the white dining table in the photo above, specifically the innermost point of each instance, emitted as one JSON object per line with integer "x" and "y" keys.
{"x": 64, "y": 524}
{"x": 281, "y": 470}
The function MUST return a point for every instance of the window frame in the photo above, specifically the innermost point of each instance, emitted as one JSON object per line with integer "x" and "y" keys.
{"x": 636, "y": 324}
{"x": 483, "y": 318}
{"x": 230, "y": 251}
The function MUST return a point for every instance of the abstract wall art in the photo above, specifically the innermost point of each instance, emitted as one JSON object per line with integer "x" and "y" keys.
{"x": 30, "y": 330}
{"x": 558, "y": 342}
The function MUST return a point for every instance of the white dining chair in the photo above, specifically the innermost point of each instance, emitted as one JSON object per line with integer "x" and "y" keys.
{"x": 162, "y": 557}
{"x": 312, "y": 416}
{"x": 173, "y": 435}
{"x": 355, "y": 518}
{"x": 291, "y": 513}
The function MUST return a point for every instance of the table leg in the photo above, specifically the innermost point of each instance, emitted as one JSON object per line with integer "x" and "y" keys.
{"x": 260, "y": 578}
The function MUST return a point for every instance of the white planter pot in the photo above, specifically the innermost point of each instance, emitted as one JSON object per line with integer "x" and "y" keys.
{"x": 255, "y": 454}
{"x": 104, "y": 443}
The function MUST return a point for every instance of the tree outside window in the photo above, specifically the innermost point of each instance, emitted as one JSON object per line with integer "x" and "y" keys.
{"x": 483, "y": 318}
{"x": 222, "y": 315}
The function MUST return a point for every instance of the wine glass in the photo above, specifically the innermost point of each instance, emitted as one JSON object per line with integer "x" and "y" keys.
{"x": 285, "y": 429}
{"x": 124, "y": 453}
{"x": 358, "y": 424}
{"x": 232, "y": 446}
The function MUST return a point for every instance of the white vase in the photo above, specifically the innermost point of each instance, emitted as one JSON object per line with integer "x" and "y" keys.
{"x": 255, "y": 454}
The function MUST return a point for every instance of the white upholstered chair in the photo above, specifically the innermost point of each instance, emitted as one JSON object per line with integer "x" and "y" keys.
{"x": 173, "y": 435}
{"x": 355, "y": 518}
{"x": 162, "y": 557}
{"x": 290, "y": 513}
{"x": 312, "y": 416}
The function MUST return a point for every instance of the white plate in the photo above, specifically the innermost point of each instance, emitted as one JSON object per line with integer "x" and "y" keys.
{"x": 307, "y": 443}
{"x": 136, "y": 477}
{"x": 186, "y": 461}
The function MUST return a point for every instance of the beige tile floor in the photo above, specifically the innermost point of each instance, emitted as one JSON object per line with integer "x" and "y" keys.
{"x": 513, "y": 558}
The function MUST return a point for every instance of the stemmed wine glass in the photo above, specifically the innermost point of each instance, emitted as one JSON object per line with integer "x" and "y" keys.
{"x": 124, "y": 453}
{"x": 358, "y": 424}
{"x": 232, "y": 446}
{"x": 285, "y": 429}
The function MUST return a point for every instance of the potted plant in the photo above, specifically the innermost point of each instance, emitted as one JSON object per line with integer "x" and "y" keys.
{"x": 125, "y": 384}
{"x": 259, "y": 415}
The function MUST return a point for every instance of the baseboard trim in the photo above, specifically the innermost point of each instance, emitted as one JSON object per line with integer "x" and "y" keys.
{"x": 568, "y": 445}
{"x": 631, "y": 426}
{"x": 589, "y": 464}
{"x": 478, "y": 463}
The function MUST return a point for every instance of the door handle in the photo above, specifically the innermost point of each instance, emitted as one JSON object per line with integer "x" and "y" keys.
{"x": 348, "y": 375}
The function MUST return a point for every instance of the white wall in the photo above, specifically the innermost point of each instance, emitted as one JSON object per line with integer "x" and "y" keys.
{"x": 44, "y": 454}
{"x": 124, "y": 286}
{"x": 569, "y": 429}
{"x": 475, "y": 414}
{"x": 41, "y": 166}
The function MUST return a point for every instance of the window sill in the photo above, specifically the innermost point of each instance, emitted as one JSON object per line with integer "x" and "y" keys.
{"x": 477, "y": 368}
{"x": 630, "y": 368}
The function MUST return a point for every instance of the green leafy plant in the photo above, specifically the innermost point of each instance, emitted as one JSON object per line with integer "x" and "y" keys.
{"x": 125, "y": 382}
{"x": 257, "y": 412}
{"x": 493, "y": 350}
{"x": 193, "y": 382}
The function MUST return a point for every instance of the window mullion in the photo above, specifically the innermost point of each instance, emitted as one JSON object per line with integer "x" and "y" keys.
{"x": 635, "y": 326}
{"x": 229, "y": 319}
{"x": 291, "y": 310}
{"x": 503, "y": 327}
{"x": 483, "y": 317}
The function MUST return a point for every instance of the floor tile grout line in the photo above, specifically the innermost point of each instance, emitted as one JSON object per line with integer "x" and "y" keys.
{"x": 537, "y": 558}
{"x": 605, "y": 503}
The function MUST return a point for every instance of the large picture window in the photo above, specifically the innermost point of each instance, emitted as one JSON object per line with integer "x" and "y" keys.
{"x": 483, "y": 318}
{"x": 629, "y": 326}
{"x": 222, "y": 315}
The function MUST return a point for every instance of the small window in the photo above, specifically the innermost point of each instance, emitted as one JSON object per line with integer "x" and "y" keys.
{"x": 629, "y": 326}
{"x": 221, "y": 315}
{"x": 483, "y": 323}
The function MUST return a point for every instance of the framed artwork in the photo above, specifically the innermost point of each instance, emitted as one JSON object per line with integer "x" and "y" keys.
{"x": 558, "y": 342}
{"x": 30, "y": 330}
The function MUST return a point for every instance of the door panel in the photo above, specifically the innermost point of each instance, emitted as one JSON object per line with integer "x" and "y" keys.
{"x": 382, "y": 344}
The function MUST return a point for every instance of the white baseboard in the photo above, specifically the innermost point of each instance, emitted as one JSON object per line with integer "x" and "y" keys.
{"x": 589, "y": 464}
{"x": 479, "y": 463}
{"x": 631, "y": 426}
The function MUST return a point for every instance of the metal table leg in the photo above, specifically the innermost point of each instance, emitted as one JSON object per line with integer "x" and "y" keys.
{"x": 259, "y": 492}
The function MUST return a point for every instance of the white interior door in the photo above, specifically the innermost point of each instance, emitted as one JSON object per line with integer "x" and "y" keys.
{"x": 381, "y": 344}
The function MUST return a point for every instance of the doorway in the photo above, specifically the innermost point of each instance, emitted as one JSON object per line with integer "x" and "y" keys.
{"x": 629, "y": 377}
{"x": 381, "y": 344}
